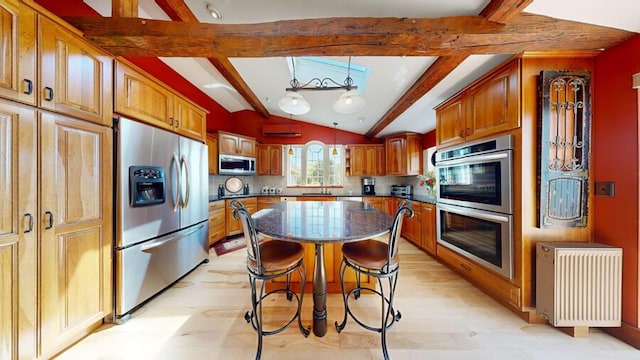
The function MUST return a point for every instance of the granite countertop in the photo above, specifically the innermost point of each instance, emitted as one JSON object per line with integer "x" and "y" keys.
{"x": 419, "y": 198}
{"x": 320, "y": 222}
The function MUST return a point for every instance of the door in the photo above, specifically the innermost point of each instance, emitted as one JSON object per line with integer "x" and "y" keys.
{"x": 143, "y": 145}
{"x": 17, "y": 231}
{"x": 194, "y": 183}
{"x": 75, "y": 229}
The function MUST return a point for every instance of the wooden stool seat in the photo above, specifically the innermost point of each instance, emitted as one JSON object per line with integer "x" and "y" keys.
{"x": 370, "y": 254}
{"x": 278, "y": 255}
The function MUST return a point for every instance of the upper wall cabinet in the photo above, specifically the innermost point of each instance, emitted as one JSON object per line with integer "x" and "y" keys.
{"x": 17, "y": 52}
{"x": 489, "y": 106}
{"x": 233, "y": 144}
{"x": 75, "y": 78}
{"x": 140, "y": 96}
{"x": 269, "y": 160}
{"x": 404, "y": 154}
{"x": 364, "y": 160}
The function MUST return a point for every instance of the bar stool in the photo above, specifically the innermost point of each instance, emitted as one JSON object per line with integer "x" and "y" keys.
{"x": 266, "y": 261}
{"x": 380, "y": 260}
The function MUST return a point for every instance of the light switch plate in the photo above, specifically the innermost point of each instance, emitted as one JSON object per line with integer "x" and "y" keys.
{"x": 605, "y": 188}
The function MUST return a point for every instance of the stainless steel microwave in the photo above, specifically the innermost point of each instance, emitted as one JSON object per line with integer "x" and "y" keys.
{"x": 236, "y": 165}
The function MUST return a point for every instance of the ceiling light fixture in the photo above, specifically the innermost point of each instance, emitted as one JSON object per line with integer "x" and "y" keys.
{"x": 213, "y": 11}
{"x": 335, "y": 139}
{"x": 348, "y": 103}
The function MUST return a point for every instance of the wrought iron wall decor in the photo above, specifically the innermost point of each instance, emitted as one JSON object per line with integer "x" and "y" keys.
{"x": 565, "y": 122}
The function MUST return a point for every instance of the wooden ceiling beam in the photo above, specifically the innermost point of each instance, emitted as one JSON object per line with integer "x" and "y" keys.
{"x": 434, "y": 74}
{"x": 500, "y": 11}
{"x": 124, "y": 8}
{"x": 339, "y": 36}
{"x": 503, "y": 11}
{"x": 177, "y": 10}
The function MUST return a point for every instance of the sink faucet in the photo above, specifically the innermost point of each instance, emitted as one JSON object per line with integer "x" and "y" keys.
{"x": 321, "y": 186}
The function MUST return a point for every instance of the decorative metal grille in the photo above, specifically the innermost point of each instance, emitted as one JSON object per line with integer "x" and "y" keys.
{"x": 565, "y": 137}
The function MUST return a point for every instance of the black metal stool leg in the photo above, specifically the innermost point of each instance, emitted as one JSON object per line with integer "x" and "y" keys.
{"x": 340, "y": 327}
{"x": 303, "y": 276}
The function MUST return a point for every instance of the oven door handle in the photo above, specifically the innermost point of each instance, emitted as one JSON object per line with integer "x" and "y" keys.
{"x": 475, "y": 159}
{"x": 480, "y": 214}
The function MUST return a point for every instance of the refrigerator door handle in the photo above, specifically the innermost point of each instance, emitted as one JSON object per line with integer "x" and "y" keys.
{"x": 185, "y": 166}
{"x": 158, "y": 243}
{"x": 176, "y": 165}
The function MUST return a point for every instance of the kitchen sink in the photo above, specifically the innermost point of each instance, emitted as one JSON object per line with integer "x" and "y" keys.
{"x": 316, "y": 193}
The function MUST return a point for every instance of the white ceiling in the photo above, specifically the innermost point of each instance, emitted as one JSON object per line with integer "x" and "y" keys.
{"x": 390, "y": 76}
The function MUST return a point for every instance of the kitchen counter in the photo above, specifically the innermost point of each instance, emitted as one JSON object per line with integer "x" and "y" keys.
{"x": 418, "y": 198}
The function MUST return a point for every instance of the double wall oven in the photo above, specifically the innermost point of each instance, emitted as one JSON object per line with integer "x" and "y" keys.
{"x": 475, "y": 202}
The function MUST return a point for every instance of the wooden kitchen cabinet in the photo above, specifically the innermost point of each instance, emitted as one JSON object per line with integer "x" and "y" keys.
{"x": 75, "y": 228}
{"x": 212, "y": 152}
{"x": 76, "y": 78}
{"x": 404, "y": 154}
{"x": 489, "y": 106}
{"x": 189, "y": 119}
{"x": 375, "y": 201}
{"x": 217, "y": 230}
{"x": 364, "y": 160}
{"x": 266, "y": 201}
{"x": 429, "y": 235}
{"x": 391, "y": 205}
{"x": 140, "y": 96}
{"x": 18, "y": 52}
{"x": 18, "y": 231}
{"x": 233, "y": 144}
{"x": 412, "y": 227}
{"x": 269, "y": 161}
{"x": 233, "y": 226}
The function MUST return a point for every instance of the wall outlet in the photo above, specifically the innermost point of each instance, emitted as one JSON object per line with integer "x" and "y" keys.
{"x": 605, "y": 188}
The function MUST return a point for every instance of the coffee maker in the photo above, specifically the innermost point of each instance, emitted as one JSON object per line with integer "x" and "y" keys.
{"x": 368, "y": 186}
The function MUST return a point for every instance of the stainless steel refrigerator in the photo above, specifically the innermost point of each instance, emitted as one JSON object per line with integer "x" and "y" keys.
{"x": 161, "y": 211}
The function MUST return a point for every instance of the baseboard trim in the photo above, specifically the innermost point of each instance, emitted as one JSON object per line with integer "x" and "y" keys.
{"x": 626, "y": 333}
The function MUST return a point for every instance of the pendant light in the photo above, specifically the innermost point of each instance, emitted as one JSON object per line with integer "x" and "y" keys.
{"x": 335, "y": 139}
{"x": 348, "y": 103}
{"x": 290, "y": 150}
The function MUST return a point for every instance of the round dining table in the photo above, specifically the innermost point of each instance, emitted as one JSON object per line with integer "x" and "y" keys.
{"x": 321, "y": 222}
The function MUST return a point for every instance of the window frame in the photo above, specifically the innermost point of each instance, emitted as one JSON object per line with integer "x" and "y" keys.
{"x": 304, "y": 162}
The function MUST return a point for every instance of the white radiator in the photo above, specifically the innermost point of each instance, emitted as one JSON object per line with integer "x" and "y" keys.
{"x": 579, "y": 284}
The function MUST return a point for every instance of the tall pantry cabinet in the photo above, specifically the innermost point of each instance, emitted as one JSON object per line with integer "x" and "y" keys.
{"x": 56, "y": 161}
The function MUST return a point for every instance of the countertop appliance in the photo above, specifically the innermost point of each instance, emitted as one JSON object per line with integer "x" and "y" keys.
{"x": 368, "y": 186}
{"x": 401, "y": 190}
{"x": 161, "y": 211}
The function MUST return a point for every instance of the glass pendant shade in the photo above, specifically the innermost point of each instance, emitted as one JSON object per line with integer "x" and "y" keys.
{"x": 349, "y": 103}
{"x": 294, "y": 104}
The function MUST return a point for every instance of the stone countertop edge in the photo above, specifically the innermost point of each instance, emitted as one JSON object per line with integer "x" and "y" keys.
{"x": 418, "y": 198}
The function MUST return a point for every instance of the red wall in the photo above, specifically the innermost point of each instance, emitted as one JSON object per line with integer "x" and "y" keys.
{"x": 250, "y": 123}
{"x": 615, "y": 158}
{"x": 429, "y": 139}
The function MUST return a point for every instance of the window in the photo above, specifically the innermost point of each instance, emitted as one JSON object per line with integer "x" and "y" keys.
{"x": 314, "y": 164}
